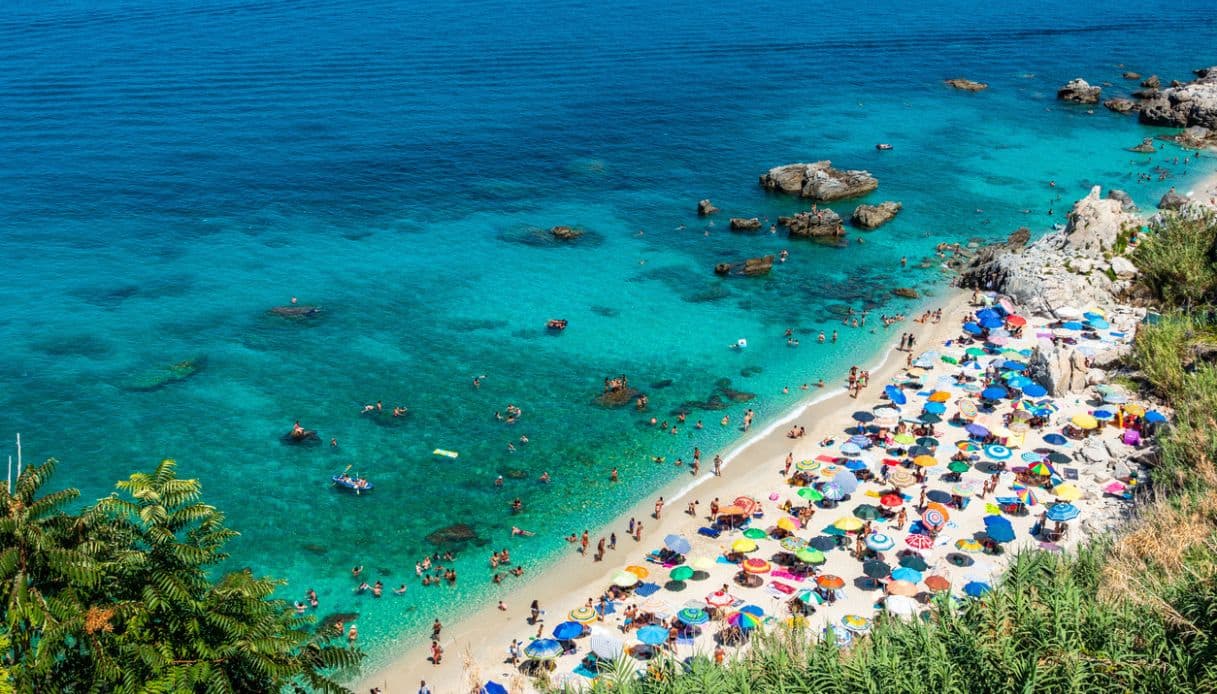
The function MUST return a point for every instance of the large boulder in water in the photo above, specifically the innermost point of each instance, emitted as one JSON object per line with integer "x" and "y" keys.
{"x": 742, "y": 224}
{"x": 1172, "y": 201}
{"x": 1121, "y": 105}
{"x": 705, "y": 208}
{"x": 821, "y": 223}
{"x": 751, "y": 267}
{"x": 1191, "y": 104}
{"x": 565, "y": 233}
{"x": 818, "y": 181}
{"x": 1079, "y": 91}
{"x": 966, "y": 85}
{"x": 875, "y": 216}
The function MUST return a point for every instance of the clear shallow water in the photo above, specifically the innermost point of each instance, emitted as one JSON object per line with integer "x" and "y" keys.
{"x": 170, "y": 171}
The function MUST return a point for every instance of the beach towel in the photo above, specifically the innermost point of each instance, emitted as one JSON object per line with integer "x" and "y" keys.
{"x": 782, "y": 573}
{"x": 646, "y": 589}
{"x": 581, "y": 670}
{"x": 723, "y": 560}
{"x": 709, "y": 532}
{"x": 826, "y": 458}
{"x": 782, "y": 587}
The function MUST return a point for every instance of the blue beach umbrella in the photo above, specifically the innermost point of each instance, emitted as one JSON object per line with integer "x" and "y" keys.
{"x": 999, "y": 529}
{"x": 1035, "y": 390}
{"x": 1115, "y": 398}
{"x": 1099, "y": 324}
{"x": 753, "y": 609}
{"x": 1055, "y": 439}
{"x": 850, "y": 449}
{"x": 990, "y": 322}
{"x": 1031, "y": 457}
{"x": 863, "y": 416}
{"x": 986, "y": 313}
{"x": 492, "y": 687}
{"x": 935, "y": 407}
{"x": 832, "y": 491}
{"x": 1071, "y": 325}
{"x": 1104, "y": 415}
{"x": 879, "y": 542}
{"x": 652, "y": 635}
{"x": 846, "y": 481}
{"x": 929, "y": 418}
{"x": 544, "y": 649}
{"x": 895, "y": 395}
{"x": 904, "y": 573}
{"x": 1155, "y": 417}
{"x": 1017, "y": 380}
{"x": 860, "y": 441}
{"x": 1063, "y": 512}
{"x": 854, "y": 465}
{"x": 976, "y": 589}
{"x": 994, "y": 393}
{"x": 568, "y": 630}
{"x": 1015, "y": 366}
{"x": 976, "y": 430}
{"x": 972, "y": 329}
{"x": 1091, "y": 315}
{"x": 997, "y": 452}
{"x": 677, "y": 544}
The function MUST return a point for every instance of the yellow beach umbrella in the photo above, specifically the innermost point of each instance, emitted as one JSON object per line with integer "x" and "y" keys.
{"x": 1067, "y": 491}
{"x": 701, "y": 563}
{"x": 939, "y": 396}
{"x": 1134, "y": 409}
{"x": 639, "y": 571}
{"x": 925, "y": 461}
{"x": 788, "y": 524}
{"x": 743, "y": 545}
{"x": 848, "y": 523}
{"x": 1085, "y": 421}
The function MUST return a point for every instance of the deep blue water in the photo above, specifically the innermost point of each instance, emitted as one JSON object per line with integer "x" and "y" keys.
{"x": 171, "y": 170}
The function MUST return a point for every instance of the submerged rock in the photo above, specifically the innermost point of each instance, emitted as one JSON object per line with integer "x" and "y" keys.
{"x": 1121, "y": 105}
{"x": 565, "y": 233}
{"x": 1079, "y": 91}
{"x": 166, "y": 375}
{"x": 741, "y": 224}
{"x": 1132, "y": 75}
{"x": 875, "y": 216}
{"x": 295, "y": 311}
{"x": 906, "y": 293}
{"x": 457, "y": 533}
{"x": 966, "y": 84}
{"x": 818, "y": 181}
{"x": 752, "y": 267}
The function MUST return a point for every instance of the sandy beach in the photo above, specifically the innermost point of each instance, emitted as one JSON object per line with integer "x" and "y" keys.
{"x": 752, "y": 468}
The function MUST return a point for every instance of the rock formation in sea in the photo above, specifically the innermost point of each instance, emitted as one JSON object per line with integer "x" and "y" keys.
{"x": 1171, "y": 201}
{"x": 1122, "y": 105}
{"x": 1079, "y": 91}
{"x": 818, "y": 181}
{"x": 821, "y": 223}
{"x": 705, "y": 208}
{"x": 751, "y": 267}
{"x": 966, "y": 84}
{"x": 1191, "y": 104}
{"x": 906, "y": 293}
{"x": 565, "y": 233}
{"x": 1146, "y": 146}
{"x": 875, "y": 216}
{"x": 1132, "y": 75}
{"x": 742, "y": 224}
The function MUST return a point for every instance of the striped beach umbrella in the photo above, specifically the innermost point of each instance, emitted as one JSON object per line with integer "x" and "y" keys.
{"x": 693, "y": 617}
{"x": 807, "y": 465}
{"x": 919, "y": 541}
{"x": 998, "y": 452}
{"x": 744, "y": 620}
{"x": 969, "y": 545}
{"x": 543, "y": 649}
{"x": 792, "y": 544}
{"x": 832, "y": 491}
{"x": 810, "y": 555}
{"x": 583, "y": 615}
{"x": 879, "y": 542}
{"x": 756, "y": 565}
{"x": 933, "y": 519}
{"x": 902, "y": 477}
{"x": 856, "y": 623}
{"x": 1063, "y": 512}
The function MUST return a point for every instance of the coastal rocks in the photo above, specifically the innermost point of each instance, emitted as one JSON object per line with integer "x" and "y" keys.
{"x": 751, "y": 267}
{"x": 906, "y": 293}
{"x": 1079, "y": 91}
{"x": 966, "y": 84}
{"x": 1094, "y": 223}
{"x": 1019, "y": 237}
{"x": 565, "y": 233}
{"x": 705, "y": 208}
{"x": 455, "y": 534}
{"x": 1060, "y": 370}
{"x": 1194, "y": 137}
{"x": 1171, "y": 201}
{"x": 819, "y": 224}
{"x": 1152, "y": 82}
{"x": 875, "y": 216}
{"x": 1126, "y": 202}
{"x": 818, "y": 181}
{"x": 741, "y": 224}
{"x": 1122, "y": 268}
{"x": 1146, "y": 146}
{"x": 1194, "y": 103}
{"x": 617, "y": 392}
{"x": 1121, "y": 105}
{"x": 1132, "y": 75}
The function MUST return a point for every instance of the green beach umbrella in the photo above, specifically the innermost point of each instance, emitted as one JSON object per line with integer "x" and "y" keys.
{"x": 866, "y": 512}
{"x": 681, "y": 573}
{"x": 792, "y": 544}
{"x": 754, "y": 533}
{"x": 810, "y": 555}
{"x": 958, "y": 466}
{"x": 811, "y": 494}
{"x": 906, "y": 439}
{"x": 974, "y": 352}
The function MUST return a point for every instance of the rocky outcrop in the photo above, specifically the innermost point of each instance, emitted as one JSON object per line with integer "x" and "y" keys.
{"x": 1171, "y": 201}
{"x": 1146, "y": 146}
{"x": 1190, "y": 104}
{"x": 875, "y": 216}
{"x": 1059, "y": 369}
{"x": 1094, "y": 223}
{"x": 1132, "y": 76}
{"x": 1152, "y": 82}
{"x": 1126, "y": 203}
{"x": 1079, "y": 91}
{"x": 741, "y": 224}
{"x": 966, "y": 85}
{"x": 1121, "y": 105}
{"x": 818, "y": 181}
{"x": 751, "y": 267}
{"x": 821, "y": 223}
{"x": 1019, "y": 237}
{"x": 705, "y": 208}
{"x": 1122, "y": 268}
{"x": 565, "y": 233}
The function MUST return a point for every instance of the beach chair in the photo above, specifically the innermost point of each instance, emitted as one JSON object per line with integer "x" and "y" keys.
{"x": 711, "y": 532}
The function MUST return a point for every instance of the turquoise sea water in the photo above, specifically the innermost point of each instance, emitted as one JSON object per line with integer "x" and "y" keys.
{"x": 169, "y": 171}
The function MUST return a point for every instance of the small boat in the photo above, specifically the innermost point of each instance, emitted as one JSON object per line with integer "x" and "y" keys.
{"x": 883, "y": 146}
{"x": 556, "y": 324}
{"x": 355, "y": 484}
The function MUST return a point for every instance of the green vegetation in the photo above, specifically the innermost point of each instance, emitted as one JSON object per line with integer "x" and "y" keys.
{"x": 120, "y": 597}
{"x": 1133, "y": 613}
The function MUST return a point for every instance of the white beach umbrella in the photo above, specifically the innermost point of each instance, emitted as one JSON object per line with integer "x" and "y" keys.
{"x": 606, "y": 644}
{"x": 901, "y": 605}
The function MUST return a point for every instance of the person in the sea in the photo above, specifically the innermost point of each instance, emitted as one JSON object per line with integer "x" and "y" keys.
{"x": 297, "y": 430}
{"x": 517, "y": 505}
{"x": 544, "y": 478}
{"x": 401, "y": 590}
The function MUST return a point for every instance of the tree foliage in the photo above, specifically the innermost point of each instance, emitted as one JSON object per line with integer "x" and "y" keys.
{"x": 124, "y": 596}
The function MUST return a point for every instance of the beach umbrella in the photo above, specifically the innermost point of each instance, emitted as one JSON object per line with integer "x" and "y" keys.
{"x": 987, "y": 313}
{"x": 625, "y": 579}
{"x": 568, "y": 630}
{"x": 997, "y": 452}
{"x": 1034, "y": 390}
{"x": 1042, "y": 469}
{"x": 789, "y": 524}
{"x": 543, "y": 649}
{"x": 848, "y": 448}
{"x": 866, "y": 512}
{"x": 1099, "y": 324}
{"x": 825, "y": 542}
{"x": 1103, "y": 415}
{"x": 895, "y": 395}
{"x": 856, "y": 623}
{"x": 901, "y": 605}
{"x": 677, "y": 543}
{"x": 999, "y": 529}
{"x": 744, "y": 620}
{"x": 830, "y": 582}
{"x": 1026, "y": 496}
{"x": 1134, "y": 410}
{"x": 904, "y": 573}
{"x": 904, "y": 439}
{"x": 974, "y": 352}
{"x": 963, "y": 489}
{"x": 753, "y": 609}
{"x": 1015, "y": 321}
{"x": 1155, "y": 417}
{"x": 756, "y": 565}
{"x": 583, "y": 614}
{"x": 1092, "y": 315}
{"x": 876, "y": 569}
{"x": 606, "y": 644}
{"x": 755, "y": 534}
{"x": 990, "y": 323}
{"x": 901, "y": 477}
{"x": 743, "y": 545}
{"x": 901, "y": 588}
{"x": 919, "y": 541}
{"x": 929, "y": 418}
{"x": 829, "y": 470}
{"x": 832, "y": 492}
{"x": 937, "y": 583}
{"x": 958, "y": 466}
{"x": 934, "y": 408}
{"x": 933, "y": 518}
{"x": 994, "y": 393}
{"x": 853, "y": 466}
{"x": 639, "y": 571}
{"x": 792, "y": 544}
{"x": 925, "y": 461}
{"x": 1067, "y": 491}
{"x": 846, "y": 481}
{"x": 914, "y": 561}
{"x": 693, "y": 617}
{"x": 1071, "y": 325}
{"x": 938, "y": 495}
{"x": 976, "y": 430}
{"x": 811, "y": 494}
{"x": 492, "y": 687}
{"x": 807, "y": 465}
{"x": 1115, "y": 398}
{"x": 652, "y": 635}
{"x": 1055, "y": 440}
{"x": 810, "y": 555}
{"x": 1062, "y": 512}
{"x": 975, "y": 589}
{"x": 998, "y": 340}
{"x": 681, "y": 573}
{"x": 863, "y": 416}
{"x": 657, "y": 607}
{"x": 967, "y": 409}
{"x": 972, "y": 328}
{"x": 939, "y": 396}
{"x": 891, "y": 500}
{"x": 967, "y": 544}
{"x": 720, "y": 599}
{"x": 848, "y": 524}
{"x": 1068, "y": 313}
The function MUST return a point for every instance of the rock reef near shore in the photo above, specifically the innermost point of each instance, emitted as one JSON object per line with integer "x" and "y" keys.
{"x": 1191, "y": 104}
{"x": 875, "y": 216}
{"x": 823, "y": 223}
{"x": 966, "y": 84}
{"x": 818, "y": 181}
{"x": 1079, "y": 91}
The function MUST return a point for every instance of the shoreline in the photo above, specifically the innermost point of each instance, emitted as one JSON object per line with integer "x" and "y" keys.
{"x": 469, "y": 644}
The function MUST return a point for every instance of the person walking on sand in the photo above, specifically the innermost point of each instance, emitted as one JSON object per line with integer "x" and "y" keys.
{"x": 638, "y": 532}
{"x": 630, "y": 526}
{"x": 921, "y": 501}
{"x": 437, "y": 652}
{"x": 901, "y": 518}
{"x": 436, "y": 628}
{"x": 613, "y": 540}
{"x": 789, "y": 462}
{"x": 583, "y": 541}
{"x": 718, "y": 466}
{"x": 658, "y": 508}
